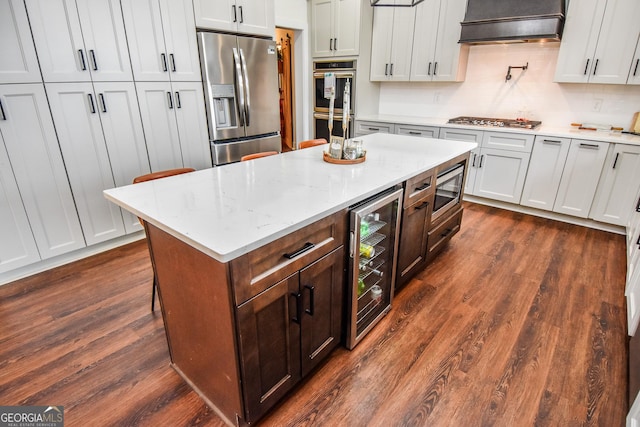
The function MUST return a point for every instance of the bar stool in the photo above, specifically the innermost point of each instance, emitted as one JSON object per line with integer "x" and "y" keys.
{"x": 257, "y": 155}
{"x": 151, "y": 177}
{"x": 311, "y": 143}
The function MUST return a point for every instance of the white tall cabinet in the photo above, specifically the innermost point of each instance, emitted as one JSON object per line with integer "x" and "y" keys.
{"x": 37, "y": 206}
{"x": 19, "y": 63}
{"x": 174, "y": 119}
{"x": 391, "y": 43}
{"x": 161, "y": 38}
{"x": 437, "y": 55}
{"x": 335, "y": 28}
{"x": 255, "y": 17}
{"x": 80, "y": 40}
{"x": 598, "y": 41}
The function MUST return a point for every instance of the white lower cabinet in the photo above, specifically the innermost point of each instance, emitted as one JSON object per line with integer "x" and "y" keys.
{"x": 545, "y": 172}
{"x": 621, "y": 179}
{"x": 175, "y": 124}
{"x": 34, "y": 182}
{"x": 498, "y": 174}
{"x": 102, "y": 144}
{"x": 580, "y": 177}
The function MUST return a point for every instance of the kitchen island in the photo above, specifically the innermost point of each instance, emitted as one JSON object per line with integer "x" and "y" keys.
{"x": 217, "y": 239}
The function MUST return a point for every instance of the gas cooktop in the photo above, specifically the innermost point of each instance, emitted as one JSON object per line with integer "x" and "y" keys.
{"x": 492, "y": 122}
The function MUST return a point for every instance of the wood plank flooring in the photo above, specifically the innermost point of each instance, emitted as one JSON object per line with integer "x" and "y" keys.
{"x": 520, "y": 322}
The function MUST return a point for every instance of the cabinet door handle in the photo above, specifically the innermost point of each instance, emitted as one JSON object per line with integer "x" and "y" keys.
{"x": 481, "y": 158}
{"x": 173, "y": 62}
{"x": 104, "y": 106}
{"x": 91, "y": 104}
{"x": 170, "y": 100}
{"x": 386, "y": 69}
{"x": 241, "y": 16}
{"x": 335, "y": 44}
{"x": 306, "y": 247}
{"x": 435, "y": 68}
{"x": 429, "y": 69}
{"x": 164, "y": 62}
{"x": 615, "y": 161}
{"x": 81, "y": 55}
{"x": 312, "y": 291}
{"x": 473, "y": 162}
{"x": 595, "y": 67}
{"x": 330, "y": 44}
{"x": 590, "y": 146}
{"x": 4, "y": 117}
{"x": 391, "y": 69}
{"x": 93, "y": 58}
{"x": 638, "y": 206}
{"x": 422, "y": 206}
{"x": 298, "y": 297}
{"x": 635, "y": 70}
{"x": 235, "y": 17}
{"x": 638, "y": 242}
{"x": 551, "y": 141}
{"x": 178, "y": 103}
{"x": 586, "y": 67}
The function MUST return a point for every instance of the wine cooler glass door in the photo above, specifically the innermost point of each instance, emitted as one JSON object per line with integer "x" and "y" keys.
{"x": 374, "y": 229}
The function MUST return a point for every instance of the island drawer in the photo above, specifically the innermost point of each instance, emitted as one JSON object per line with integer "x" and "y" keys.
{"x": 419, "y": 186}
{"x": 442, "y": 233}
{"x": 261, "y": 268}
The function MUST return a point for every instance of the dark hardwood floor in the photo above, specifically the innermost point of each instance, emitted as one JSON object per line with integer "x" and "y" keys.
{"x": 521, "y": 321}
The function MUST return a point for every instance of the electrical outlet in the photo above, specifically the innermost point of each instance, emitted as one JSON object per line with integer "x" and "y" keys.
{"x": 597, "y": 104}
{"x": 436, "y": 98}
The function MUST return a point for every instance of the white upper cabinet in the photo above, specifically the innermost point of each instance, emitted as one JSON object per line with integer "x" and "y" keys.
{"x": 437, "y": 55}
{"x": 580, "y": 177}
{"x": 391, "y": 43}
{"x": 598, "y": 41}
{"x": 19, "y": 63}
{"x": 335, "y": 28}
{"x": 32, "y": 148}
{"x": 634, "y": 72}
{"x": 80, "y": 40}
{"x": 162, "y": 40}
{"x": 620, "y": 181}
{"x": 255, "y": 17}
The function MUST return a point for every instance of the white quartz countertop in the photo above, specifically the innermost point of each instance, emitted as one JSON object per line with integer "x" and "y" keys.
{"x": 554, "y": 131}
{"x": 227, "y": 211}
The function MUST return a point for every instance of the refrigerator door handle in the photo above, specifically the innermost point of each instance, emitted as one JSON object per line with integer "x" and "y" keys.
{"x": 239, "y": 86}
{"x": 247, "y": 107}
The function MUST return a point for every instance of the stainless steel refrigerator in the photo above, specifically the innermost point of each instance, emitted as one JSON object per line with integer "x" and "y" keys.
{"x": 240, "y": 79}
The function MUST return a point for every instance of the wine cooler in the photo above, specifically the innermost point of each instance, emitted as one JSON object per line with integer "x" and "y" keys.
{"x": 374, "y": 227}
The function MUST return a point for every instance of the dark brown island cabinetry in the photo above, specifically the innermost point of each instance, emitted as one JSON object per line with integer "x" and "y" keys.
{"x": 243, "y": 333}
{"x": 421, "y": 236}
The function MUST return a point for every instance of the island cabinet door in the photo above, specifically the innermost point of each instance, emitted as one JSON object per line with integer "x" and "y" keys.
{"x": 269, "y": 334}
{"x": 412, "y": 250}
{"x": 321, "y": 297}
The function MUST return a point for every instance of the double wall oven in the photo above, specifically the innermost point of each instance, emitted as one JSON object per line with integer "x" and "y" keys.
{"x": 343, "y": 71}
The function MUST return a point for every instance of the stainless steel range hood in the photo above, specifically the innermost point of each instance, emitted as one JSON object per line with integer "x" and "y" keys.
{"x": 499, "y": 21}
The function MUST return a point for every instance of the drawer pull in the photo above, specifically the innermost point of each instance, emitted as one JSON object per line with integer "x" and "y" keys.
{"x": 412, "y": 132}
{"x": 312, "y": 304}
{"x": 446, "y": 232}
{"x": 424, "y": 186}
{"x": 591, "y": 146}
{"x": 551, "y": 141}
{"x": 307, "y": 246}
{"x": 422, "y": 205}
{"x": 374, "y": 128}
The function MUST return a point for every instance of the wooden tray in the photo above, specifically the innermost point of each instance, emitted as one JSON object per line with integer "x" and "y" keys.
{"x": 327, "y": 158}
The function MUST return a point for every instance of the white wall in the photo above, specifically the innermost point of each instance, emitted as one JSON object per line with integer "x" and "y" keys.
{"x": 292, "y": 14}
{"x": 531, "y": 93}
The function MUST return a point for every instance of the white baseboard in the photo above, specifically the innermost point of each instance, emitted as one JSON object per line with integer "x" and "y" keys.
{"x": 79, "y": 254}
{"x": 547, "y": 214}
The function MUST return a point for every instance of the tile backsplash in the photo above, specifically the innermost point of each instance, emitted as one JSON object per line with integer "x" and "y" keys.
{"x": 531, "y": 93}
